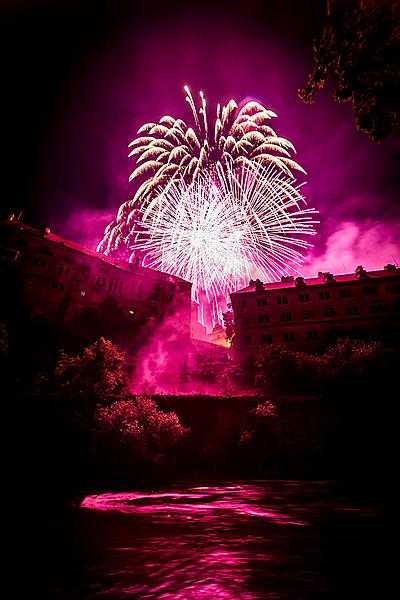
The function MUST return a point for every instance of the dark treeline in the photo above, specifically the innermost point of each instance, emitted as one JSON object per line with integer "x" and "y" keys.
{"x": 76, "y": 427}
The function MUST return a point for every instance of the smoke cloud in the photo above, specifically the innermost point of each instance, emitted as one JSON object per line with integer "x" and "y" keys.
{"x": 372, "y": 245}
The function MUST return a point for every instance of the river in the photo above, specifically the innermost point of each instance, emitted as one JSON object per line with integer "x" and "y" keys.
{"x": 265, "y": 540}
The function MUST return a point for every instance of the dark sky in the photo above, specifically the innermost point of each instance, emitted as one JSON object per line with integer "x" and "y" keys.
{"x": 81, "y": 77}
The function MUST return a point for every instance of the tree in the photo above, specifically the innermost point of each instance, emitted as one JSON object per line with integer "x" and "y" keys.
{"x": 93, "y": 377}
{"x": 229, "y": 324}
{"x": 137, "y": 432}
{"x": 360, "y": 44}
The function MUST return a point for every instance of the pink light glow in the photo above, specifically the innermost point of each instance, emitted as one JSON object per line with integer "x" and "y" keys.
{"x": 211, "y": 502}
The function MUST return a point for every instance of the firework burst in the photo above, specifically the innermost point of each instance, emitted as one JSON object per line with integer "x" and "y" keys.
{"x": 223, "y": 229}
{"x": 170, "y": 150}
{"x": 216, "y": 203}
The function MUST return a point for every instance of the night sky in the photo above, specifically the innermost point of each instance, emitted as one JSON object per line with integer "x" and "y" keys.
{"x": 79, "y": 78}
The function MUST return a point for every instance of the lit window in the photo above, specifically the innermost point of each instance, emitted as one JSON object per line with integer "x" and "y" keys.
{"x": 83, "y": 292}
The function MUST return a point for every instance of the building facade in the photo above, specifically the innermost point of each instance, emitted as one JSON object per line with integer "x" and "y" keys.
{"x": 309, "y": 314}
{"x": 60, "y": 278}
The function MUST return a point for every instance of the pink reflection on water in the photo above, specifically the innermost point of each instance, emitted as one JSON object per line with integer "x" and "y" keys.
{"x": 208, "y": 502}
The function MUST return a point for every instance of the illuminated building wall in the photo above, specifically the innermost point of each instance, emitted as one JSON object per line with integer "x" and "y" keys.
{"x": 308, "y": 314}
{"x": 59, "y": 278}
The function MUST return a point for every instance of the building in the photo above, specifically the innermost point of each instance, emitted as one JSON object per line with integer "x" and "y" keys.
{"x": 60, "y": 278}
{"x": 308, "y": 314}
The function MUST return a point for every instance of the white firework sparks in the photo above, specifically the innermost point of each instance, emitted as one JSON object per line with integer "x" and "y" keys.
{"x": 225, "y": 228}
{"x": 171, "y": 150}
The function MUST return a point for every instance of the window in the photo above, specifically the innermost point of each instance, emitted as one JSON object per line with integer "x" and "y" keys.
{"x": 100, "y": 281}
{"x": 110, "y": 285}
{"x": 328, "y": 311}
{"x": 304, "y": 297}
{"x": 244, "y": 303}
{"x": 83, "y": 292}
{"x": 377, "y": 308}
{"x": 346, "y": 293}
{"x": 393, "y": 288}
{"x": 58, "y": 285}
{"x": 68, "y": 260}
{"x": 62, "y": 271}
{"x": 261, "y": 302}
{"x": 266, "y": 339}
{"x": 282, "y": 300}
{"x": 120, "y": 287}
{"x": 324, "y": 295}
{"x": 370, "y": 290}
{"x": 103, "y": 270}
{"x": 155, "y": 294}
{"x": 39, "y": 262}
{"x": 352, "y": 310}
{"x": 247, "y": 340}
{"x": 289, "y": 337}
{"x": 286, "y": 316}
{"x": 313, "y": 336}
{"x": 308, "y": 314}
{"x": 245, "y": 320}
{"x": 264, "y": 318}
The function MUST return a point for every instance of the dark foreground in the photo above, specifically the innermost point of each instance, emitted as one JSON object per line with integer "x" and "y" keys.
{"x": 228, "y": 540}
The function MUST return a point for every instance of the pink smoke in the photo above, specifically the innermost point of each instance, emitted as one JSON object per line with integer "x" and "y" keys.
{"x": 370, "y": 244}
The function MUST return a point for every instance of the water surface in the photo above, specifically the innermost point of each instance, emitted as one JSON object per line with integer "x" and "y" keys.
{"x": 237, "y": 541}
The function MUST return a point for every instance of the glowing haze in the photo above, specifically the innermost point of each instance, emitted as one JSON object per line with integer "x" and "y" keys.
{"x": 218, "y": 204}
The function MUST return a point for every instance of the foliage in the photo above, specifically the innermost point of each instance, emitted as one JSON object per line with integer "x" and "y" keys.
{"x": 137, "y": 429}
{"x": 357, "y": 356}
{"x": 279, "y": 370}
{"x": 93, "y": 377}
{"x": 108, "y": 320}
{"x": 229, "y": 324}
{"x": 348, "y": 362}
{"x": 360, "y": 44}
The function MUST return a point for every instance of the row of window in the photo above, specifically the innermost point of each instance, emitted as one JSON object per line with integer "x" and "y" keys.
{"x": 369, "y": 290}
{"x": 288, "y": 337}
{"x": 327, "y": 312}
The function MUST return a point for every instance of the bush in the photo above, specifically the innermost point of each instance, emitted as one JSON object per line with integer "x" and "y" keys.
{"x": 135, "y": 432}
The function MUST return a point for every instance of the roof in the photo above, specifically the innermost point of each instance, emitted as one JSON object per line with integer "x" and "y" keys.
{"x": 63, "y": 242}
{"x": 290, "y": 282}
